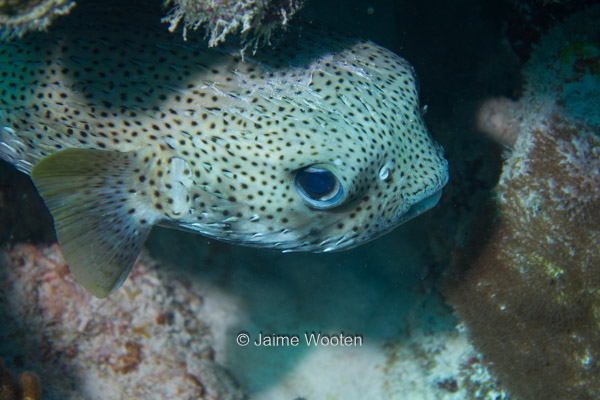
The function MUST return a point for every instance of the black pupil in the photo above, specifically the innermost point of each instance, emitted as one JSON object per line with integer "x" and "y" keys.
{"x": 317, "y": 182}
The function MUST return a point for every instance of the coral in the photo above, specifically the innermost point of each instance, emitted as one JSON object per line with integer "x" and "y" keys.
{"x": 32, "y": 388}
{"x": 17, "y": 17}
{"x": 531, "y": 295}
{"x": 562, "y": 76}
{"x": 26, "y": 387}
{"x": 565, "y": 68}
{"x": 256, "y": 20}
{"x": 500, "y": 118}
{"x": 442, "y": 366}
{"x": 148, "y": 338}
{"x": 527, "y": 285}
{"x": 529, "y": 19}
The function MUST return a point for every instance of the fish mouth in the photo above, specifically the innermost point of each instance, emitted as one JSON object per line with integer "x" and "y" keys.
{"x": 420, "y": 207}
{"x": 348, "y": 242}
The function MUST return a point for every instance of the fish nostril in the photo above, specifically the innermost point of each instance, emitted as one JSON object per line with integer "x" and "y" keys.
{"x": 384, "y": 173}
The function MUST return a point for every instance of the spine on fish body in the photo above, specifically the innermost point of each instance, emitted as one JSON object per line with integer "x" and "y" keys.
{"x": 316, "y": 145}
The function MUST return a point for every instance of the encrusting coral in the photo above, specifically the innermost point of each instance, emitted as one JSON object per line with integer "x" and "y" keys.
{"x": 528, "y": 20}
{"x": 500, "y": 118}
{"x": 26, "y": 387}
{"x": 531, "y": 297}
{"x": 17, "y": 17}
{"x": 256, "y": 20}
{"x": 528, "y": 288}
{"x": 564, "y": 69}
{"x": 148, "y": 338}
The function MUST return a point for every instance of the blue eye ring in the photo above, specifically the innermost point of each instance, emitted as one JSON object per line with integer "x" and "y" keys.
{"x": 319, "y": 187}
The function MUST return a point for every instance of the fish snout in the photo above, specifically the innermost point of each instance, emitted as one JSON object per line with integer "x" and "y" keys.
{"x": 420, "y": 207}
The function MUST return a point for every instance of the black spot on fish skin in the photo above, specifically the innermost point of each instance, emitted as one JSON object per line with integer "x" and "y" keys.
{"x": 243, "y": 138}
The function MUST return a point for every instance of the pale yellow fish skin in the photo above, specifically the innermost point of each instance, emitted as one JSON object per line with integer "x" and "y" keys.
{"x": 220, "y": 139}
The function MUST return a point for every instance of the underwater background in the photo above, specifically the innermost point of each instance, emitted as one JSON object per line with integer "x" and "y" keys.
{"x": 492, "y": 294}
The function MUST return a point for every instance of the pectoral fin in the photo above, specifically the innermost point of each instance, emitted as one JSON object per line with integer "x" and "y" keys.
{"x": 100, "y": 220}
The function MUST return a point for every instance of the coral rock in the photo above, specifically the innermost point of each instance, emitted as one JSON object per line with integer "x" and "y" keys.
{"x": 17, "y": 17}
{"x": 531, "y": 298}
{"x": 147, "y": 338}
{"x": 500, "y": 118}
{"x": 255, "y": 20}
{"x": 27, "y": 387}
{"x": 564, "y": 69}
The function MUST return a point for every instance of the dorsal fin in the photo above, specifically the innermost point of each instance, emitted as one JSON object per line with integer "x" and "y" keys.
{"x": 100, "y": 222}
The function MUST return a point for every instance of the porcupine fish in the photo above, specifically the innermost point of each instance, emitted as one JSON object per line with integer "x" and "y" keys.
{"x": 316, "y": 145}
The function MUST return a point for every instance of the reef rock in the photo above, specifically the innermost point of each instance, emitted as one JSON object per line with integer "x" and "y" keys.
{"x": 529, "y": 19}
{"x": 530, "y": 299}
{"x": 529, "y": 287}
{"x": 255, "y": 20}
{"x": 147, "y": 341}
{"x": 26, "y": 387}
{"x": 564, "y": 71}
{"x": 17, "y": 17}
{"x": 500, "y": 118}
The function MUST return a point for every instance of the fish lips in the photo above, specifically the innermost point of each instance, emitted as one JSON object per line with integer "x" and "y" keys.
{"x": 420, "y": 207}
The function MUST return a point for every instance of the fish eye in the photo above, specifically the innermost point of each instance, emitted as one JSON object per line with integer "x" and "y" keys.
{"x": 319, "y": 187}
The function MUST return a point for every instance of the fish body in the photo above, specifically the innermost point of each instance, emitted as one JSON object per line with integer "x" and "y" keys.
{"x": 315, "y": 145}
